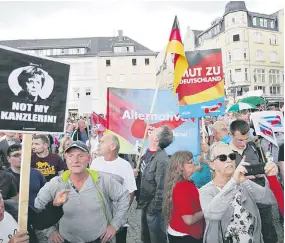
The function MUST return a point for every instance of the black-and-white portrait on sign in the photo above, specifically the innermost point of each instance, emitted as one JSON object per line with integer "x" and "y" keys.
{"x": 33, "y": 92}
{"x": 31, "y": 82}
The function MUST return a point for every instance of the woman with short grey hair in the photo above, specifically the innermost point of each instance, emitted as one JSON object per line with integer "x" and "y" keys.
{"x": 229, "y": 200}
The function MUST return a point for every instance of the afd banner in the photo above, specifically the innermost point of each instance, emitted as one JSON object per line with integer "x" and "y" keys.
{"x": 274, "y": 118}
{"x": 128, "y": 111}
{"x": 201, "y": 90}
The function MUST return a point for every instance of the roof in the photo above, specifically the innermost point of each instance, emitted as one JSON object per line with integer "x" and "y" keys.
{"x": 95, "y": 45}
{"x": 197, "y": 32}
{"x": 264, "y": 16}
{"x": 234, "y": 6}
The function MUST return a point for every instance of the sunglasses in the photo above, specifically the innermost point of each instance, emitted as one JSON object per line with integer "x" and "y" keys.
{"x": 224, "y": 157}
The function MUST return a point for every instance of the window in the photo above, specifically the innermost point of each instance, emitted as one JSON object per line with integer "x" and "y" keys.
{"x": 238, "y": 75}
{"x": 254, "y": 21}
{"x": 230, "y": 76}
{"x": 275, "y": 90}
{"x": 274, "y": 76}
{"x": 265, "y": 23}
{"x": 273, "y": 56}
{"x": 76, "y": 93}
{"x": 108, "y": 78}
{"x": 134, "y": 77}
{"x": 272, "y": 24}
{"x": 237, "y": 55}
{"x": 246, "y": 74}
{"x": 122, "y": 77}
{"x": 245, "y": 54}
{"x": 259, "y": 55}
{"x": 261, "y": 22}
{"x": 229, "y": 56}
{"x": 259, "y": 88}
{"x": 257, "y": 37}
{"x": 236, "y": 38}
{"x": 233, "y": 20}
{"x": 128, "y": 49}
{"x": 259, "y": 75}
{"x": 146, "y": 61}
{"x": 87, "y": 91}
{"x": 108, "y": 63}
{"x": 134, "y": 62}
{"x": 273, "y": 40}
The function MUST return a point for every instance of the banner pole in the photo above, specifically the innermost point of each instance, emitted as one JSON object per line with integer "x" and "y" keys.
{"x": 25, "y": 183}
{"x": 203, "y": 136}
{"x": 150, "y": 113}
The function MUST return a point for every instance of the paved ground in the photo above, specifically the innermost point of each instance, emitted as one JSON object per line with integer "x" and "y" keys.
{"x": 134, "y": 229}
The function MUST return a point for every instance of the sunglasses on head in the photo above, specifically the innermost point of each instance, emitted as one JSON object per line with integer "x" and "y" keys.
{"x": 224, "y": 157}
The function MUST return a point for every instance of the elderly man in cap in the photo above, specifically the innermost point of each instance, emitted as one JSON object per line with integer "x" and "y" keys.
{"x": 88, "y": 215}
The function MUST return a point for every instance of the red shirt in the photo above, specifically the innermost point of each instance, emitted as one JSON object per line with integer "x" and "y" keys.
{"x": 186, "y": 201}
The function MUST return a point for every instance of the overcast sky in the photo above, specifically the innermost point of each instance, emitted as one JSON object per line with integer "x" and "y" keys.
{"x": 148, "y": 22}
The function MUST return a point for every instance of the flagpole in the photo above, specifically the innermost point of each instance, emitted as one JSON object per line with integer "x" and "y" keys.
{"x": 150, "y": 113}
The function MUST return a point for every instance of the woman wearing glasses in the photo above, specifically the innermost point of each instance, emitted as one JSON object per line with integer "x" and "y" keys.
{"x": 182, "y": 207}
{"x": 229, "y": 200}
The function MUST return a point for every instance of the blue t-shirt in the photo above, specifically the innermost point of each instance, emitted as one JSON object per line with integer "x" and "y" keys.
{"x": 84, "y": 136}
{"x": 201, "y": 178}
{"x": 37, "y": 181}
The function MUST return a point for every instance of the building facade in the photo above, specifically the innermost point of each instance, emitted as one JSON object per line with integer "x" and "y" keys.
{"x": 252, "y": 47}
{"x": 96, "y": 63}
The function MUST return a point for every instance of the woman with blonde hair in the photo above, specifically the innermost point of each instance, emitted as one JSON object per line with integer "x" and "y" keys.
{"x": 229, "y": 200}
{"x": 182, "y": 208}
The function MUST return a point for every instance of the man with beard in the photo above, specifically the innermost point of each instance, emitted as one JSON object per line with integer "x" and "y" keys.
{"x": 49, "y": 164}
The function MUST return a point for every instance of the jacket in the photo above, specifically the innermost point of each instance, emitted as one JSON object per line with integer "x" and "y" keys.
{"x": 37, "y": 219}
{"x": 77, "y": 135}
{"x": 152, "y": 182}
{"x": 218, "y": 211}
{"x": 95, "y": 200}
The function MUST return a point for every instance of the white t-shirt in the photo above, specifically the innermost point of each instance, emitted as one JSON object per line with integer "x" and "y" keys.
{"x": 94, "y": 142}
{"x": 8, "y": 228}
{"x": 119, "y": 169}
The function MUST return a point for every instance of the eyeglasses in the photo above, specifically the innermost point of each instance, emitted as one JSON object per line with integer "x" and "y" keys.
{"x": 224, "y": 157}
{"x": 17, "y": 155}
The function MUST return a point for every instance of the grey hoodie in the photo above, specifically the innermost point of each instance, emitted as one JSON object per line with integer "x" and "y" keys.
{"x": 84, "y": 219}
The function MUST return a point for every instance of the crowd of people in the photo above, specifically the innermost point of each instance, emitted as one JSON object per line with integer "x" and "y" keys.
{"x": 81, "y": 188}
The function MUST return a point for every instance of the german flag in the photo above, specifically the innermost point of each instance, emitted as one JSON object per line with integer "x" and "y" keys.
{"x": 176, "y": 47}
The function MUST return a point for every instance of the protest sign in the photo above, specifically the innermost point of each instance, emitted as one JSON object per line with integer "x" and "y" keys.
{"x": 263, "y": 128}
{"x": 201, "y": 89}
{"x": 33, "y": 93}
{"x": 274, "y": 118}
{"x": 128, "y": 110}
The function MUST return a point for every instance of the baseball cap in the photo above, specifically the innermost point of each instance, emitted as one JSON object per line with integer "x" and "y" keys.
{"x": 78, "y": 144}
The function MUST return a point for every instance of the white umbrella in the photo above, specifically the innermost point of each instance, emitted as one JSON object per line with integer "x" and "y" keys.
{"x": 240, "y": 106}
